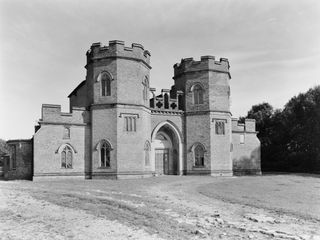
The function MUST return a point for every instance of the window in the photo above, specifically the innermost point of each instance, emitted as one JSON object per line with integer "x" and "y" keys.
{"x": 197, "y": 94}
{"x": 66, "y": 133}
{"x": 66, "y": 157}
{"x": 105, "y": 155}
{"x": 147, "y": 154}
{"x": 130, "y": 123}
{"x": 198, "y": 156}
{"x": 241, "y": 138}
{"x": 14, "y": 157}
{"x": 220, "y": 128}
{"x": 105, "y": 85}
{"x": 145, "y": 92}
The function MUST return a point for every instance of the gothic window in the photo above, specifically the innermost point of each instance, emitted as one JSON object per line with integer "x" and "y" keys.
{"x": 66, "y": 157}
{"x": 105, "y": 85}
{"x": 105, "y": 154}
{"x": 145, "y": 92}
{"x": 197, "y": 94}
{"x": 199, "y": 156}
{"x": 130, "y": 123}
{"x": 220, "y": 127}
{"x": 241, "y": 138}
{"x": 147, "y": 154}
{"x": 66, "y": 133}
{"x": 14, "y": 157}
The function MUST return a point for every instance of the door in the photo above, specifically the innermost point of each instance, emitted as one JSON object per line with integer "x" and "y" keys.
{"x": 162, "y": 161}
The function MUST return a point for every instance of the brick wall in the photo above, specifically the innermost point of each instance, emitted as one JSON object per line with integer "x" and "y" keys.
{"x": 51, "y": 138}
{"x": 22, "y": 155}
{"x": 246, "y": 148}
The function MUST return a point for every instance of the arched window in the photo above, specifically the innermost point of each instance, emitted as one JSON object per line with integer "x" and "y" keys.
{"x": 145, "y": 92}
{"x": 66, "y": 133}
{"x": 197, "y": 94}
{"x": 199, "y": 156}
{"x": 105, "y": 85}
{"x": 66, "y": 157}
{"x": 147, "y": 153}
{"x": 105, "y": 154}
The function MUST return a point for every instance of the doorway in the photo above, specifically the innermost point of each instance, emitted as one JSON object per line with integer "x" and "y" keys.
{"x": 162, "y": 161}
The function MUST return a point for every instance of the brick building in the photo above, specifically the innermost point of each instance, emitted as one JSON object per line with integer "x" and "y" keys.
{"x": 118, "y": 127}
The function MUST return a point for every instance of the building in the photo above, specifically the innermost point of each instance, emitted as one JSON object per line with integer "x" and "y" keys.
{"x": 118, "y": 127}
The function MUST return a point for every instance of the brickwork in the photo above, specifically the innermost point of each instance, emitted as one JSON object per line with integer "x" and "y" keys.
{"x": 18, "y": 165}
{"x": 213, "y": 78}
{"x": 246, "y": 148}
{"x": 112, "y": 126}
{"x": 50, "y": 140}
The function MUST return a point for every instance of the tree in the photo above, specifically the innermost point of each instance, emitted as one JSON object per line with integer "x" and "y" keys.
{"x": 290, "y": 138}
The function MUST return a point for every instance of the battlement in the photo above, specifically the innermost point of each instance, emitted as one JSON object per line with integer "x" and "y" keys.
{"x": 117, "y": 49}
{"x": 207, "y": 63}
{"x": 52, "y": 114}
{"x": 249, "y": 126}
{"x": 167, "y": 101}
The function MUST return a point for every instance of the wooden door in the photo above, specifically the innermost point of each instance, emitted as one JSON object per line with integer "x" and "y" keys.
{"x": 162, "y": 161}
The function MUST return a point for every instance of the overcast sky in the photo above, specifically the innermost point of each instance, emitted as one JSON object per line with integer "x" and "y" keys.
{"x": 273, "y": 48}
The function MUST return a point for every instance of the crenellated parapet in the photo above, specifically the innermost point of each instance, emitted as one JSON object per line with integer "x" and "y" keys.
{"x": 249, "y": 126}
{"x": 166, "y": 101}
{"x": 207, "y": 63}
{"x": 117, "y": 49}
{"x": 51, "y": 114}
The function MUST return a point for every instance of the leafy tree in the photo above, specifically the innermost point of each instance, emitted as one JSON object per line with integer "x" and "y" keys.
{"x": 290, "y": 138}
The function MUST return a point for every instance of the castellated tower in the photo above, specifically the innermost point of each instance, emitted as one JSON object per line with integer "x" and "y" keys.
{"x": 207, "y": 114}
{"x": 115, "y": 130}
{"x": 118, "y": 96}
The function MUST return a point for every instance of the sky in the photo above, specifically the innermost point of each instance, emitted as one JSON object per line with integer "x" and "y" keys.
{"x": 273, "y": 48}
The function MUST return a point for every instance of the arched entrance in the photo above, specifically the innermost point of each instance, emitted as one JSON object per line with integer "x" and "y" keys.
{"x": 166, "y": 149}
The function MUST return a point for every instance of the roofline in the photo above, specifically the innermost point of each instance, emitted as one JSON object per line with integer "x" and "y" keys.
{"x": 76, "y": 89}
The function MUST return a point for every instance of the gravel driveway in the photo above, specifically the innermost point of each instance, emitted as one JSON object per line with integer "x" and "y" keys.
{"x": 170, "y": 207}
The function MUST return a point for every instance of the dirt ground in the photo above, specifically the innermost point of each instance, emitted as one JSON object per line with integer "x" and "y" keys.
{"x": 170, "y": 207}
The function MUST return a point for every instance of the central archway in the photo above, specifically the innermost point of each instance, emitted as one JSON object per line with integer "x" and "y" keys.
{"x": 166, "y": 149}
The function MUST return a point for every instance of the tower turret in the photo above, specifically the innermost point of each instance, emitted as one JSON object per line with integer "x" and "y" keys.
{"x": 118, "y": 96}
{"x": 116, "y": 73}
{"x": 207, "y": 113}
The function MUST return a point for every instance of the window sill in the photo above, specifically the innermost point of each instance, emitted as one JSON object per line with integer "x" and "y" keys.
{"x": 199, "y": 167}
{"x": 104, "y": 167}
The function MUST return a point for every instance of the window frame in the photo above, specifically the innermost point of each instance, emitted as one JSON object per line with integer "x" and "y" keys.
{"x": 105, "y": 85}
{"x": 242, "y": 139}
{"x": 66, "y": 150}
{"x": 130, "y": 123}
{"x": 198, "y": 157}
{"x": 197, "y": 94}
{"x": 220, "y": 127}
{"x": 66, "y": 135}
{"x": 147, "y": 151}
{"x": 145, "y": 92}
{"x": 13, "y": 157}
{"x": 105, "y": 155}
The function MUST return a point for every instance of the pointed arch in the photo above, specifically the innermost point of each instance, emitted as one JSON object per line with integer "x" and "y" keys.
{"x": 61, "y": 147}
{"x": 171, "y": 125}
{"x": 67, "y": 153}
{"x": 105, "y": 79}
{"x": 178, "y": 135}
{"x": 104, "y": 149}
{"x": 197, "y": 93}
{"x": 198, "y": 151}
